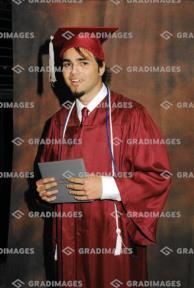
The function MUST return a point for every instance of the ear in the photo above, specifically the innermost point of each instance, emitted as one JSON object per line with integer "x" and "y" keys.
{"x": 102, "y": 69}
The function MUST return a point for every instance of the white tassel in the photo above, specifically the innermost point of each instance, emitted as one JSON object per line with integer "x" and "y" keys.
{"x": 119, "y": 240}
{"x": 55, "y": 256}
{"x": 52, "y": 77}
{"x": 118, "y": 243}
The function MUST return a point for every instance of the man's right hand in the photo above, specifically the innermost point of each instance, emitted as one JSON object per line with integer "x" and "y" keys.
{"x": 42, "y": 187}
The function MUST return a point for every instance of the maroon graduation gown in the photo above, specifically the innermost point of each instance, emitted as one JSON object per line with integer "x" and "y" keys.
{"x": 146, "y": 191}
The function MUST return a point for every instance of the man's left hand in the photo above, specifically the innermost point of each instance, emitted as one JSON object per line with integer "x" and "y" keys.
{"x": 86, "y": 188}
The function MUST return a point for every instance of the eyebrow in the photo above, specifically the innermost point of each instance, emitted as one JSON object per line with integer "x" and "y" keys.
{"x": 79, "y": 59}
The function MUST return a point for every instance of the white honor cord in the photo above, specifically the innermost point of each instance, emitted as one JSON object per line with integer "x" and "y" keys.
{"x": 119, "y": 241}
{"x": 67, "y": 120}
{"x": 111, "y": 132}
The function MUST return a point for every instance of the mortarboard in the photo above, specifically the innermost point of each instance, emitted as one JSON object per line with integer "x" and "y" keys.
{"x": 90, "y": 38}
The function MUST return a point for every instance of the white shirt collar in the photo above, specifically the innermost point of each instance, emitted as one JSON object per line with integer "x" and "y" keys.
{"x": 93, "y": 103}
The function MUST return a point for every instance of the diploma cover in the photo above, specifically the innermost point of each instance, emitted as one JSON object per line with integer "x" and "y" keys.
{"x": 61, "y": 170}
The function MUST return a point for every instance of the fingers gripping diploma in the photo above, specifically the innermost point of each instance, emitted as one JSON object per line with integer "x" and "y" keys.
{"x": 42, "y": 187}
{"x": 87, "y": 188}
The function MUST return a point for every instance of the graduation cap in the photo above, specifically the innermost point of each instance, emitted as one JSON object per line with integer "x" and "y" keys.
{"x": 90, "y": 38}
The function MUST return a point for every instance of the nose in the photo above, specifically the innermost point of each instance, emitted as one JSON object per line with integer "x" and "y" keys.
{"x": 75, "y": 69}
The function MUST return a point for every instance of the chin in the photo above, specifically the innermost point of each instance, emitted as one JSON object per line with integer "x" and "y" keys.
{"x": 78, "y": 94}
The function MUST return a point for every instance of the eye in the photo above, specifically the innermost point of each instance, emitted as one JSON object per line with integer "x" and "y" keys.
{"x": 84, "y": 63}
{"x": 66, "y": 64}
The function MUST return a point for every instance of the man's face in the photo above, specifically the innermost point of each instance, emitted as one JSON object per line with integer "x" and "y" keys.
{"x": 81, "y": 72}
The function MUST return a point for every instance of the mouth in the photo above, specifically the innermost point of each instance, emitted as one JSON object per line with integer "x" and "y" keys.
{"x": 76, "y": 82}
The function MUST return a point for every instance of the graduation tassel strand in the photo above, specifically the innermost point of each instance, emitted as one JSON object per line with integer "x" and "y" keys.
{"x": 52, "y": 77}
{"x": 55, "y": 255}
{"x": 119, "y": 241}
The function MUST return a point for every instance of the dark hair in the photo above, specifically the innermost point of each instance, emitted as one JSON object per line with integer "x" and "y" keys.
{"x": 106, "y": 77}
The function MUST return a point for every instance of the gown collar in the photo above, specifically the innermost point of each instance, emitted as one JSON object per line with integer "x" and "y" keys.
{"x": 93, "y": 103}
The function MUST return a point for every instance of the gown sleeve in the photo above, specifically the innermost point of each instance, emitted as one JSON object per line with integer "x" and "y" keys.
{"x": 46, "y": 151}
{"x": 147, "y": 190}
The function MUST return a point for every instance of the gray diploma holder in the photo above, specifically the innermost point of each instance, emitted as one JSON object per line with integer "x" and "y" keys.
{"x": 61, "y": 170}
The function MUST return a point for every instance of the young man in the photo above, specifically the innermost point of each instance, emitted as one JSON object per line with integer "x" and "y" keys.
{"x": 125, "y": 178}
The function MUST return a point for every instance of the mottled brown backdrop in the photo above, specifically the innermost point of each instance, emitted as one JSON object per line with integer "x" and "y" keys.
{"x": 147, "y": 47}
